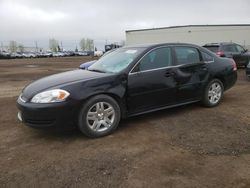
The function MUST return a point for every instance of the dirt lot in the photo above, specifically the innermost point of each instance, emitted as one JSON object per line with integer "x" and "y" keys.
{"x": 189, "y": 146}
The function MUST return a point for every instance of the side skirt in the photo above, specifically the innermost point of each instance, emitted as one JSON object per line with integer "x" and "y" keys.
{"x": 161, "y": 108}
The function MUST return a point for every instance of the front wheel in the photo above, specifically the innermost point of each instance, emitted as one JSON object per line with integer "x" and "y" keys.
{"x": 213, "y": 93}
{"x": 99, "y": 116}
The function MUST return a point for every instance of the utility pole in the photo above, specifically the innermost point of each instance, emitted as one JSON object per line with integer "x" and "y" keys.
{"x": 1, "y": 46}
{"x": 36, "y": 46}
{"x": 61, "y": 46}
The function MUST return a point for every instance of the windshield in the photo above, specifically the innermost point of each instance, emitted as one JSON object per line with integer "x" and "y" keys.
{"x": 116, "y": 61}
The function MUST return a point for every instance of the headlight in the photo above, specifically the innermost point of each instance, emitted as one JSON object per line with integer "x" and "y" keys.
{"x": 51, "y": 96}
{"x": 248, "y": 66}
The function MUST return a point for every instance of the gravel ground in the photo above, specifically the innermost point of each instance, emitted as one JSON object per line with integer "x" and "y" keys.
{"x": 189, "y": 146}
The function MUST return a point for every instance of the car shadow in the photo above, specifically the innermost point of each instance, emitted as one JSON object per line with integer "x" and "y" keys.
{"x": 142, "y": 119}
{"x": 72, "y": 131}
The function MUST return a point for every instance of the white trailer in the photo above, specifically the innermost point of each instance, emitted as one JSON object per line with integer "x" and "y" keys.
{"x": 195, "y": 34}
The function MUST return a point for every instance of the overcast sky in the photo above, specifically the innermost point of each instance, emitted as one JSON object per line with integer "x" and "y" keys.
{"x": 68, "y": 21}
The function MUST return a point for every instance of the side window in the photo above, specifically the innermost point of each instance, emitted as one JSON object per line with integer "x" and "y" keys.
{"x": 187, "y": 55}
{"x": 206, "y": 57}
{"x": 158, "y": 58}
{"x": 240, "y": 49}
{"x": 229, "y": 48}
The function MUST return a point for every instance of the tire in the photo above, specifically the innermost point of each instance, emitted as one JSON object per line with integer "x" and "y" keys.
{"x": 99, "y": 116}
{"x": 213, "y": 93}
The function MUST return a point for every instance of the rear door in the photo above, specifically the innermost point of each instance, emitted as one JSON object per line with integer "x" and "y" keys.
{"x": 191, "y": 73}
{"x": 151, "y": 83}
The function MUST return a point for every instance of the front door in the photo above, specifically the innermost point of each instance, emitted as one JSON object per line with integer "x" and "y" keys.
{"x": 151, "y": 83}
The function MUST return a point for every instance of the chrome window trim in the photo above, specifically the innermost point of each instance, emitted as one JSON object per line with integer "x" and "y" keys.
{"x": 172, "y": 66}
{"x": 132, "y": 73}
{"x": 209, "y": 61}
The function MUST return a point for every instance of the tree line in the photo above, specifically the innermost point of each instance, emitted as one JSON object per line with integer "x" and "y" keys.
{"x": 85, "y": 44}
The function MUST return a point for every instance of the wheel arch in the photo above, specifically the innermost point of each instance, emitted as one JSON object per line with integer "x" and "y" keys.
{"x": 120, "y": 101}
{"x": 223, "y": 81}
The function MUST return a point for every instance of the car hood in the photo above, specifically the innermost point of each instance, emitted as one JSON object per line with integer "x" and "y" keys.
{"x": 57, "y": 80}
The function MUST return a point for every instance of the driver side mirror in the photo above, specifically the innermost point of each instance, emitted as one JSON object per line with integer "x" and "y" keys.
{"x": 136, "y": 69}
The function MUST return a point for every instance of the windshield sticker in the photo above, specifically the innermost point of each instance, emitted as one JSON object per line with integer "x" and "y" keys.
{"x": 131, "y": 51}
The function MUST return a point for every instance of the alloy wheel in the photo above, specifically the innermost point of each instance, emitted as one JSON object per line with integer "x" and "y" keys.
{"x": 100, "y": 117}
{"x": 214, "y": 93}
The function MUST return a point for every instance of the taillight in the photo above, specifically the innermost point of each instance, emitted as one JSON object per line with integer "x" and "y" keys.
{"x": 234, "y": 65}
{"x": 220, "y": 54}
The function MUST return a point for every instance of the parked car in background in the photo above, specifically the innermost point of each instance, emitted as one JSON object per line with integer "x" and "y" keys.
{"x": 58, "y": 54}
{"x": 87, "y": 64}
{"x": 127, "y": 82}
{"x": 82, "y": 53}
{"x": 231, "y": 50}
{"x": 111, "y": 47}
{"x": 248, "y": 70}
{"x": 16, "y": 55}
{"x": 69, "y": 53}
{"x": 29, "y": 55}
{"x": 98, "y": 53}
{"x": 4, "y": 55}
{"x": 47, "y": 54}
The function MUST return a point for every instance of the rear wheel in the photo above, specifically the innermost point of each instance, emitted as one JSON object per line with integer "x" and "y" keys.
{"x": 213, "y": 93}
{"x": 99, "y": 116}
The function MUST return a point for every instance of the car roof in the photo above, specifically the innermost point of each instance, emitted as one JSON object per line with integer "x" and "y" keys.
{"x": 159, "y": 45}
{"x": 218, "y": 43}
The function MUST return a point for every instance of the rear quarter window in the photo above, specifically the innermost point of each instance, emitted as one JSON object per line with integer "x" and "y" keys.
{"x": 229, "y": 48}
{"x": 206, "y": 57}
{"x": 187, "y": 55}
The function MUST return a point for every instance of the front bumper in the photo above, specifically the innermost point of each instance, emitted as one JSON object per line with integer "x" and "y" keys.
{"x": 47, "y": 115}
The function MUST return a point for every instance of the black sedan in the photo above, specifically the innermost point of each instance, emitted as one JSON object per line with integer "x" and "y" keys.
{"x": 127, "y": 82}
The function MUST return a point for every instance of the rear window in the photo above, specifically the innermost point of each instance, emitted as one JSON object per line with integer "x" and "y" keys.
{"x": 212, "y": 48}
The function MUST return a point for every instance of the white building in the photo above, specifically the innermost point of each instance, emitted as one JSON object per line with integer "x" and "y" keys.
{"x": 196, "y": 34}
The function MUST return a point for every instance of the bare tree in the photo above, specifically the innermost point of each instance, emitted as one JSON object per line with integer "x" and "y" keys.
{"x": 89, "y": 44}
{"x": 83, "y": 44}
{"x": 20, "y": 48}
{"x": 86, "y": 44}
{"x": 53, "y": 45}
{"x": 13, "y": 46}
